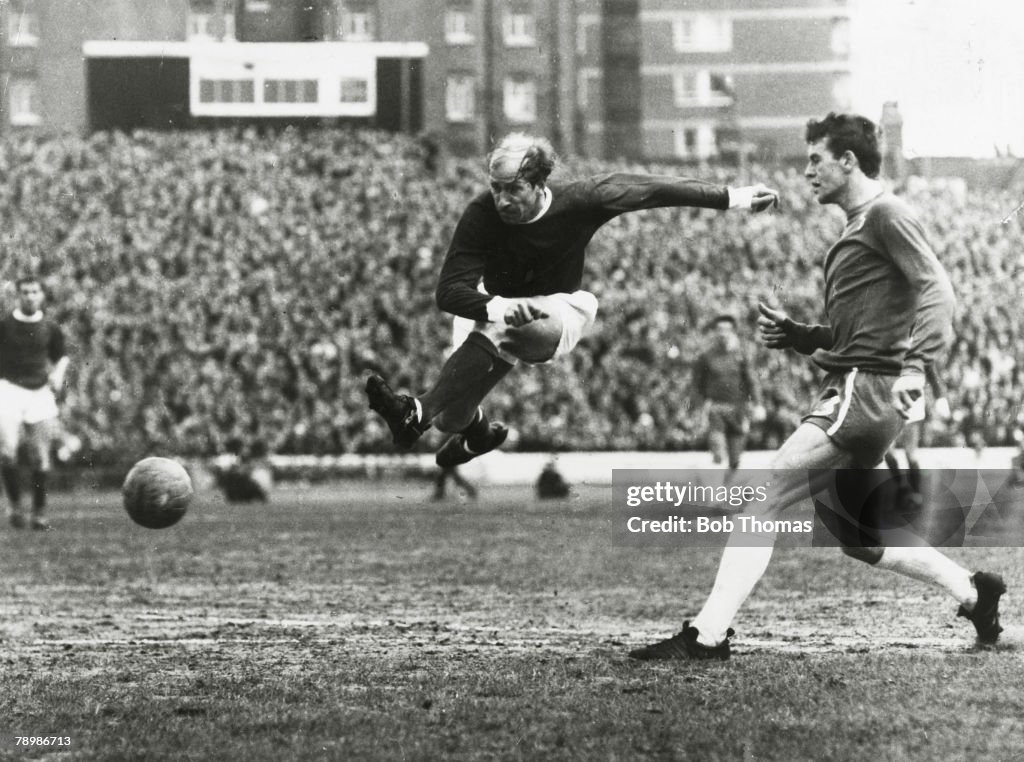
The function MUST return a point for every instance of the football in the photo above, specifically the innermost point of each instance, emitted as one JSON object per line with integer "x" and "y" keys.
{"x": 157, "y": 492}
{"x": 534, "y": 342}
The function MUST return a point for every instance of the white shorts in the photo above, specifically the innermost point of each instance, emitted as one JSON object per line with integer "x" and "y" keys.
{"x": 19, "y": 405}
{"x": 576, "y": 312}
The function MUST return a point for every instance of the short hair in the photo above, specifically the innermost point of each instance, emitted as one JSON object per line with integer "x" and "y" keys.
{"x": 723, "y": 318}
{"x": 534, "y": 157}
{"x": 26, "y": 279}
{"x": 849, "y": 132}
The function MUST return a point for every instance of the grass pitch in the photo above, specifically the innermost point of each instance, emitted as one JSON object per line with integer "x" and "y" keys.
{"x": 363, "y": 622}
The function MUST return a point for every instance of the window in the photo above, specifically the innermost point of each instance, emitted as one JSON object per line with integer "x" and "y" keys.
{"x": 227, "y": 91}
{"x": 722, "y": 86}
{"x": 203, "y": 27}
{"x": 520, "y": 29}
{"x": 356, "y": 26}
{"x": 684, "y": 88}
{"x": 695, "y": 141}
{"x": 22, "y": 28}
{"x": 520, "y": 100}
{"x": 199, "y": 26}
{"x": 702, "y": 33}
{"x": 683, "y": 33}
{"x": 290, "y": 91}
{"x": 458, "y": 26}
{"x": 841, "y": 37}
{"x": 702, "y": 88}
{"x": 460, "y": 98}
{"x": 587, "y": 83}
{"x": 354, "y": 90}
{"x": 842, "y": 92}
{"x": 583, "y": 28}
{"x": 23, "y": 96}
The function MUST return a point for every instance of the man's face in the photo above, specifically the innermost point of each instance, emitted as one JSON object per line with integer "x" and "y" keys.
{"x": 725, "y": 334}
{"x": 30, "y": 297}
{"x": 825, "y": 173}
{"x": 517, "y": 200}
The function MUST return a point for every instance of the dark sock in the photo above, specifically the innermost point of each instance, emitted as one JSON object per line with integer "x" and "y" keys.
{"x": 466, "y": 375}
{"x": 478, "y": 432}
{"x": 440, "y": 482}
{"x": 892, "y": 463}
{"x": 12, "y": 483}
{"x": 914, "y": 476}
{"x": 38, "y": 493}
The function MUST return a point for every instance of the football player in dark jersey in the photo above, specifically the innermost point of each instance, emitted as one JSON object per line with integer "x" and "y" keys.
{"x": 513, "y": 277}
{"x": 33, "y": 363}
{"x": 725, "y": 382}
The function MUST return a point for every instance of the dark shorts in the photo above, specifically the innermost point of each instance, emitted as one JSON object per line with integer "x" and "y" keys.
{"x": 855, "y": 409}
{"x": 728, "y": 418}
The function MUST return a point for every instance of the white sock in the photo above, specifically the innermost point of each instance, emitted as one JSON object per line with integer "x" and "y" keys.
{"x": 926, "y": 564}
{"x": 419, "y": 409}
{"x": 738, "y": 573}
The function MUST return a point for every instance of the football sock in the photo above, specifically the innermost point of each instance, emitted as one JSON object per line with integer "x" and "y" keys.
{"x": 475, "y": 435}
{"x": 926, "y": 564}
{"x": 460, "y": 375}
{"x": 914, "y": 475}
{"x": 738, "y": 573}
{"x": 12, "y": 483}
{"x": 892, "y": 463}
{"x": 468, "y": 375}
{"x": 38, "y": 493}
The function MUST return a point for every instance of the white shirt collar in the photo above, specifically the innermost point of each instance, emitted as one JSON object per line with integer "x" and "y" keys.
{"x": 545, "y": 205}
{"x": 33, "y": 318}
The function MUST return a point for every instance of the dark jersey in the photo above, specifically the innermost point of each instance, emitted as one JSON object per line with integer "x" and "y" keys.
{"x": 888, "y": 301}
{"x": 27, "y": 349}
{"x": 546, "y": 256}
{"x": 726, "y": 377}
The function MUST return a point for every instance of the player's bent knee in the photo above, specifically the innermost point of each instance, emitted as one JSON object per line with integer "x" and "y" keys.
{"x": 868, "y": 555}
{"x": 478, "y": 339}
{"x": 452, "y": 422}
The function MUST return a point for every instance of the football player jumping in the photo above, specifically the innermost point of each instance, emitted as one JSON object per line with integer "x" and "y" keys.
{"x": 512, "y": 277}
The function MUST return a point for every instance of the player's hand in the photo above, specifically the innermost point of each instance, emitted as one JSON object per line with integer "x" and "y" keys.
{"x": 908, "y": 396}
{"x": 941, "y": 408}
{"x": 758, "y": 414}
{"x": 776, "y": 328}
{"x": 756, "y": 198}
{"x": 522, "y": 312}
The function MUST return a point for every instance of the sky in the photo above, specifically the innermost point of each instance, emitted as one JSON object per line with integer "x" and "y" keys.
{"x": 955, "y": 67}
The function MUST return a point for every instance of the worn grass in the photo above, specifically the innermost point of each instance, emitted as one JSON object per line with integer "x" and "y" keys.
{"x": 362, "y": 622}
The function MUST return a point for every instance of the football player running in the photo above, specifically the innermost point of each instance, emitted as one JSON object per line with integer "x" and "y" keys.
{"x": 513, "y": 279}
{"x": 875, "y": 360}
{"x": 33, "y": 364}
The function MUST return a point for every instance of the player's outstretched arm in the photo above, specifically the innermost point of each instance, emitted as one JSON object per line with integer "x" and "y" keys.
{"x": 619, "y": 192}
{"x": 756, "y": 198}
{"x": 778, "y": 331}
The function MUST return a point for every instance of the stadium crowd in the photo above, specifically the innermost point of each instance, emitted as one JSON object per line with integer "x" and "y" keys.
{"x": 233, "y": 284}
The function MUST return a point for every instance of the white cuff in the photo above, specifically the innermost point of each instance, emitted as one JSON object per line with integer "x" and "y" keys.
{"x": 741, "y": 198}
{"x": 496, "y": 309}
